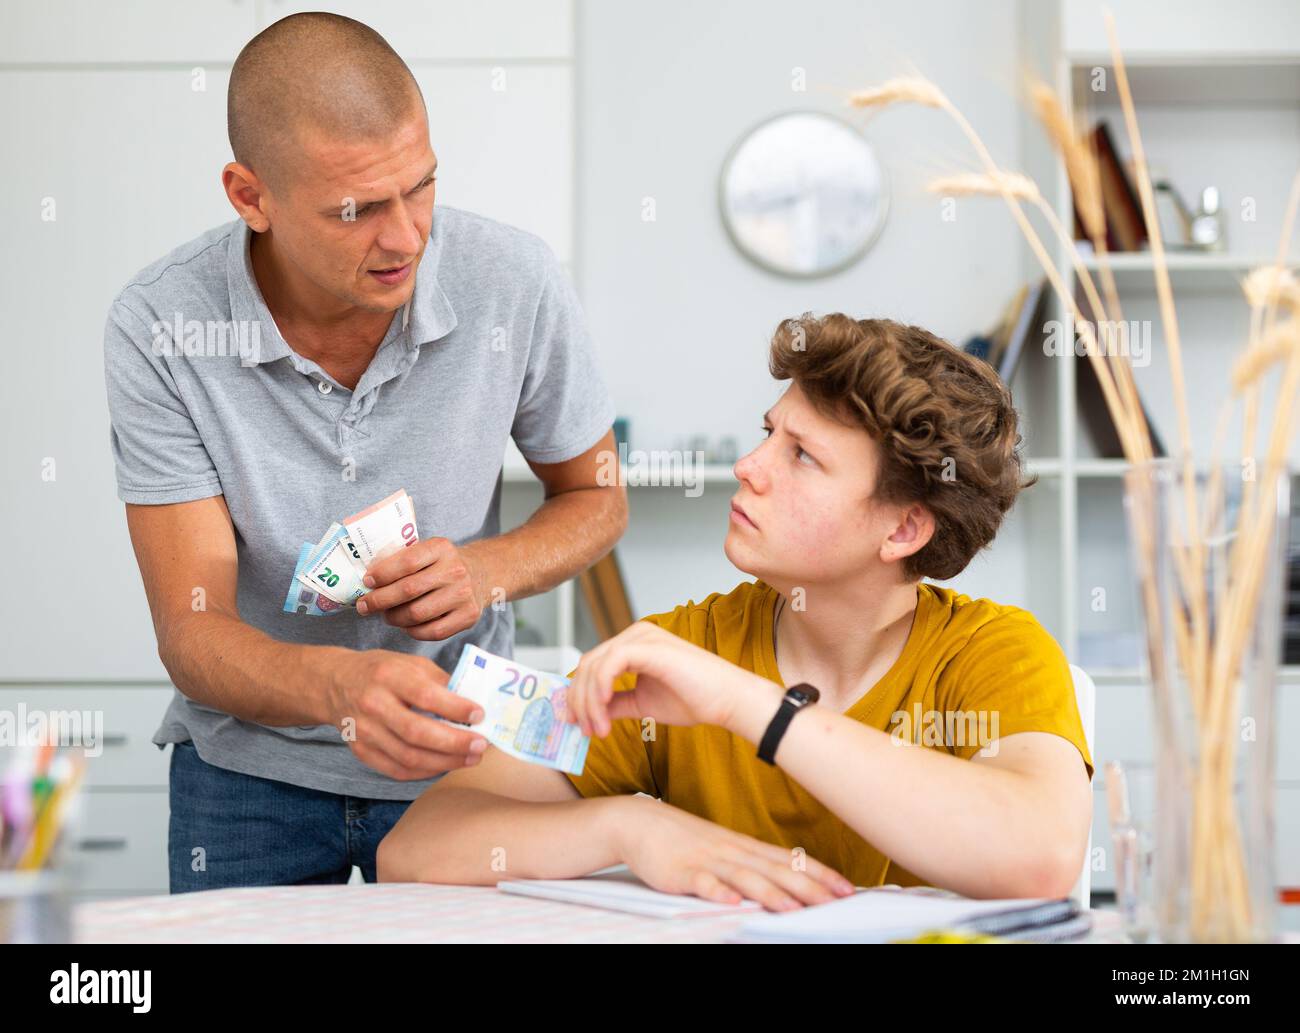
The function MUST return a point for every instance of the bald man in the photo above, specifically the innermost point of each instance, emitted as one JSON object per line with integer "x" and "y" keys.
{"x": 338, "y": 341}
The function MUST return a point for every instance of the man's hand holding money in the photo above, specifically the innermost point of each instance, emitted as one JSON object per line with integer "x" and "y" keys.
{"x": 373, "y": 697}
{"x": 432, "y": 589}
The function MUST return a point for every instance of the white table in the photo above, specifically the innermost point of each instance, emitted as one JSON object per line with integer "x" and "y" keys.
{"x": 375, "y": 913}
{"x": 394, "y": 913}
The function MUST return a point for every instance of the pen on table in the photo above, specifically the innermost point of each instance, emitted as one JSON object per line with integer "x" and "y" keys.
{"x": 953, "y": 936}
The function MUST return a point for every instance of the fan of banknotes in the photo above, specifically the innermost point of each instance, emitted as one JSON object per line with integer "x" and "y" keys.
{"x": 524, "y": 710}
{"x": 328, "y": 575}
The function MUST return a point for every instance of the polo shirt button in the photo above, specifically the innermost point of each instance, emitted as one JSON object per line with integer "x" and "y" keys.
{"x": 324, "y": 386}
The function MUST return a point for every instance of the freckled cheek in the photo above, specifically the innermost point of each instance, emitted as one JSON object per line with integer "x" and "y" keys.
{"x": 812, "y": 528}
{"x": 826, "y": 534}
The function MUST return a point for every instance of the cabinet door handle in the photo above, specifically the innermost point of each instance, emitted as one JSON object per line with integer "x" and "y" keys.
{"x": 97, "y": 843}
{"x": 109, "y": 739}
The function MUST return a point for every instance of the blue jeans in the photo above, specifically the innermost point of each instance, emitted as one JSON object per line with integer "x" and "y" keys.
{"x": 229, "y": 829}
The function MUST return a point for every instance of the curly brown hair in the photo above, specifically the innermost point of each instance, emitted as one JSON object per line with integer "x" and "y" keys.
{"x": 944, "y": 421}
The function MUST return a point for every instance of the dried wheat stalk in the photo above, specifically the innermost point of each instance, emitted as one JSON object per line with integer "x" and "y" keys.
{"x": 1221, "y": 907}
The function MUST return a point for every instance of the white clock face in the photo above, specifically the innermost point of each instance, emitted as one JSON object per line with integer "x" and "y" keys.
{"x": 803, "y": 195}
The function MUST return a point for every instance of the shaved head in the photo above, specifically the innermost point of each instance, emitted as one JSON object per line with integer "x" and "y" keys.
{"x": 314, "y": 75}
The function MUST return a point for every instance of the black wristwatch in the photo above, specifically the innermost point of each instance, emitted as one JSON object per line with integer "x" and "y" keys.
{"x": 795, "y": 699}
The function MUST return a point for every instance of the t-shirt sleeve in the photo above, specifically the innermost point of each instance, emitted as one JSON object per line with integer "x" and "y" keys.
{"x": 564, "y": 407}
{"x": 1011, "y": 676}
{"x": 158, "y": 453}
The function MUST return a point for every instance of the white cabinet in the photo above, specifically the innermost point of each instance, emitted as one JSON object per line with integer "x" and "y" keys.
{"x": 117, "y": 841}
{"x": 1217, "y": 91}
{"x": 119, "y": 723}
{"x": 120, "y": 848}
{"x": 130, "y": 161}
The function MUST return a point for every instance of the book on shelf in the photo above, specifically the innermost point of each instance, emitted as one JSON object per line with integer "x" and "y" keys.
{"x": 1035, "y": 299}
{"x": 1001, "y": 336}
{"x": 1125, "y": 227}
{"x": 1021, "y": 321}
{"x": 1094, "y": 415}
{"x": 1096, "y": 419}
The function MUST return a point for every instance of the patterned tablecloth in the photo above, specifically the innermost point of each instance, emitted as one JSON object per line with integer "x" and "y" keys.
{"x": 398, "y": 913}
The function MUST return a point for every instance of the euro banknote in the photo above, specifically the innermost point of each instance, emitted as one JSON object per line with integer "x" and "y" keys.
{"x": 302, "y": 599}
{"x": 382, "y": 529}
{"x": 524, "y": 710}
{"x": 333, "y": 568}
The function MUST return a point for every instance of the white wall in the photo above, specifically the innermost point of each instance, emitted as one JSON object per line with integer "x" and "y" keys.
{"x": 681, "y": 318}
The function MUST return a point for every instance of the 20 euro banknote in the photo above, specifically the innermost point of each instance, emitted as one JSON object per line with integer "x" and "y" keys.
{"x": 524, "y": 711}
{"x": 331, "y": 571}
{"x": 303, "y": 599}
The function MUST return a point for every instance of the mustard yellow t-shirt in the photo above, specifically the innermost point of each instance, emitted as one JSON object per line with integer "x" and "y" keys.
{"x": 963, "y": 656}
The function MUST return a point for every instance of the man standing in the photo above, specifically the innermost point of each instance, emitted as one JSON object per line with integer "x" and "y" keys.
{"x": 380, "y": 346}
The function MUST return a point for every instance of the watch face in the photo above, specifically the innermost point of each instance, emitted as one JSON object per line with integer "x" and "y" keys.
{"x": 803, "y": 694}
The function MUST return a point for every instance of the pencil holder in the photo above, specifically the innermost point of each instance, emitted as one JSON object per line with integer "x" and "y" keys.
{"x": 36, "y": 906}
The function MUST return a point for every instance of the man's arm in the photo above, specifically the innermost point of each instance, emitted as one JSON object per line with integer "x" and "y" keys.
{"x": 189, "y": 564}
{"x": 578, "y": 522}
{"x": 435, "y": 589}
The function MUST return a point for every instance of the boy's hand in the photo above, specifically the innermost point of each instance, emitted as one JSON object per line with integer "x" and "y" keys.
{"x": 677, "y": 683}
{"x": 676, "y": 852}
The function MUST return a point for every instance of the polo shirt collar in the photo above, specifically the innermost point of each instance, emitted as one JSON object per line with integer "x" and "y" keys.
{"x": 428, "y": 314}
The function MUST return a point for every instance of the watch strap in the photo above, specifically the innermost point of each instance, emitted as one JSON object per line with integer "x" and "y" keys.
{"x": 796, "y": 698}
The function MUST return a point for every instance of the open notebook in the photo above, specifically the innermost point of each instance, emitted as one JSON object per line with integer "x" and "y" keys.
{"x": 870, "y": 916}
{"x": 617, "y": 889}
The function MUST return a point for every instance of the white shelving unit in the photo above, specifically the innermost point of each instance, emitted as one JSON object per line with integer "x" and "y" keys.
{"x": 1223, "y": 95}
{"x": 1227, "y": 117}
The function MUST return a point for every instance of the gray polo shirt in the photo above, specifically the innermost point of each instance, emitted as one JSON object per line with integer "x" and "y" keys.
{"x": 207, "y": 398}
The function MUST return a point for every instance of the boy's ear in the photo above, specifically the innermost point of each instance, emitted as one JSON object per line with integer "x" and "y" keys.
{"x": 915, "y": 528}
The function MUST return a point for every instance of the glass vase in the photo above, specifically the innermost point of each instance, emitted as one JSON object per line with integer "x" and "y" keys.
{"x": 1210, "y": 551}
